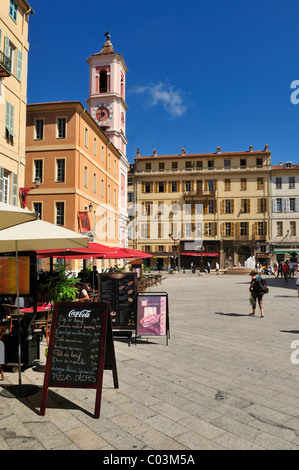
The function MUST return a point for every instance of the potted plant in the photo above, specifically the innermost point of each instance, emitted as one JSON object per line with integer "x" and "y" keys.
{"x": 62, "y": 288}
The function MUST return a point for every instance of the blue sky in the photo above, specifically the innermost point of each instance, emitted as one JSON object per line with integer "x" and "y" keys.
{"x": 201, "y": 74}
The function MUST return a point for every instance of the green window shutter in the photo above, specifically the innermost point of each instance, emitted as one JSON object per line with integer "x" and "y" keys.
{"x": 9, "y": 120}
{"x": 6, "y": 47}
{"x": 19, "y": 64}
{"x": 14, "y": 199}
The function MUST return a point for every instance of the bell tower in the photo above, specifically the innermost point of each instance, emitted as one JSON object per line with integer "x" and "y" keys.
{"x": 107, "y": 91}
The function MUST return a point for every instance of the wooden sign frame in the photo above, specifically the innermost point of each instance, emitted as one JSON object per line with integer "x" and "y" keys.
{"x": 106, "y": 353}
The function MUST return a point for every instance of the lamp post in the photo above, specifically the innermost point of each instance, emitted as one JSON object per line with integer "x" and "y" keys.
{"x": 175, "y": 250}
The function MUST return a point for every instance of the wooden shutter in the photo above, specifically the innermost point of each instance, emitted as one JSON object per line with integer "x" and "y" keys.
{"x": 14, "y": 196}
{"x": 232, "y": 206}
{"x": 248, "y": 206}
{"x": 19, "y": 65}
{"x": 222, "y": 206}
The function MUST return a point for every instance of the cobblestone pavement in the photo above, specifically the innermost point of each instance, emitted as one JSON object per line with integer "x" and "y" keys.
{"x": 224, "y": 381}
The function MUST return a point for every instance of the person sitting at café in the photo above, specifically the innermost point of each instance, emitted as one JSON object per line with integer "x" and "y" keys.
{"x": 83, "y": 292}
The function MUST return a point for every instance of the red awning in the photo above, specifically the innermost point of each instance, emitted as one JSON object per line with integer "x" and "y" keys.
{"x": 128, "y": 253}
{"x": 94, "y": 250}
{"x": 200, "y": 254}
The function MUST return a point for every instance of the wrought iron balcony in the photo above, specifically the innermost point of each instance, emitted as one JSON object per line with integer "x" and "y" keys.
{"x": 5, "y": 65}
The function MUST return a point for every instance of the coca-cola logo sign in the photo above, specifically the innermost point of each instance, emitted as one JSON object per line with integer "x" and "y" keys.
{"x": 80, "y": 313}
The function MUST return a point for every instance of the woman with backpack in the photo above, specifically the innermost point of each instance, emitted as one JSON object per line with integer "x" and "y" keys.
{"x": 257, "y": 291}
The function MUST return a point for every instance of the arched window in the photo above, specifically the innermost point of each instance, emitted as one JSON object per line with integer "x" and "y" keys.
{"x": 103, "y": 81}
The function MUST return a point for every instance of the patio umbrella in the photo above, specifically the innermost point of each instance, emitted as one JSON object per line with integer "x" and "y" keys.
{"x": 128, "y": 253}
{"x": 12, "y": 215}
{"x": 94, "y": 250}
{"x": 36, "y": 235}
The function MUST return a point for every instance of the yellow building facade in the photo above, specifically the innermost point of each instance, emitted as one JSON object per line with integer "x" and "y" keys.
{"x": 14, "y": 47}
{"x": 201, "y": 208}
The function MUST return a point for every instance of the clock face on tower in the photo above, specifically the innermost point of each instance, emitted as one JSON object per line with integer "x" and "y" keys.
{"x": 103, "y": 114}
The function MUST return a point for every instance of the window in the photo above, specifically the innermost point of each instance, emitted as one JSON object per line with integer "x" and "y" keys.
{"x": 115, "y": 167}
{"x": 292, "y": 204}
{"x": 39, "y": 129}
{"x": 244, "y": 228}
{"x": 95, "y": 150}
{"x": 278, "y": 182}
{"x": 61, "y": 129}
{"x": 243, "y": 163}
{"x": 211, "y": 206}
{"x": 259, "y": 162}
{"x": 103, "y": 155}
{"x": 161, "y": 186}
{"x": 109, "y": 161}
{"x": 37, "y": 207}
{"x": 260, "y": 228}
{"x": 243, "y": 184}
{"x": 261, "y": 205}
{"x": 60, "y": 170}
{"x": 174, "y": 186}
{"x": 109, "y": 193}
{"x": 59, "y": 213}
{"x": 13, "y": 8}
{"x": 161, "y": 166}
{"x": 278, "y": 204}
{"x": 291, "y": 182}
{"x": 174, "y": 165}
{"x": 228, "y": 229}
{"x": 9, "y": 122}
{"x": 260, "y": 183}
{"x": 279, "y": 229}
{"x": 38, "y": 170}
{"x": 199, "y": 165}
{"x": 227, "y": 185}
{"x": 85, "y": 176}
{"x": 293, "y": 228}
{"x": 94, "y": 182}
{"x": 210, "y": 185}
{"x": 188, "y": 165}
{"x": 227, "y": 206}
{"x": 245, "y": 206}
{"x": 148, "y": 167}
{"x": 102, "y": 188}
{"x": 86, "y": 137}
{"x": 210, "y": 229}
{"x": 147, "y": 187}
{"x": 103, "y": 80}
{"x": 5, "y": 186}
{"x": 188, "y": 185}
{"x": 227, "y": 164}
{"x": 114, "y": 197}
{"x": 9, "y": 51}
{"x": 210, "y": 164}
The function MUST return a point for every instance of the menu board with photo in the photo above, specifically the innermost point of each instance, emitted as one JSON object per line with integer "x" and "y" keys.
{"x": 152, "y": 314}
{"x": 120, "y": 290}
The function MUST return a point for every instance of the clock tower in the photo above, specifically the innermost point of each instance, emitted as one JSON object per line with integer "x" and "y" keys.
{"x": 106, "y": 104}
{"x": 106, "y": 101}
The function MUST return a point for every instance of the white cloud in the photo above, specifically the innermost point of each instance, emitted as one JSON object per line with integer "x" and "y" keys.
{"x": 171, "y": 99}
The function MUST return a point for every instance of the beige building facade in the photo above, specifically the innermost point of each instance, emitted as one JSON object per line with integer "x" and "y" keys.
{"x": 14, "y": 47}
{"x": 201, "y": 208}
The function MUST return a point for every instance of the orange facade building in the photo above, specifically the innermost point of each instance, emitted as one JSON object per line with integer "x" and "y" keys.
{"x": 76, "y": 168}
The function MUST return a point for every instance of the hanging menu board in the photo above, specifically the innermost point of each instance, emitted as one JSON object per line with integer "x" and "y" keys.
{"x": 80, "y": 348}
{"x": 120, "y": 290}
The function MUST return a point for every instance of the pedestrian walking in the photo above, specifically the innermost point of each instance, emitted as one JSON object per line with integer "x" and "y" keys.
{"x": 285, "y": 270}
{"x": 297, "y": 280}
{"x": 217, "y": 267}
{"x": 256, "y": 289}
{"x": 279, "y": 269}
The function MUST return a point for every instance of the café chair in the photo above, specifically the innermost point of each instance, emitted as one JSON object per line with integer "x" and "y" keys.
{"x": 11, "y": 314}
{"x": 42, "y": 324}
{"x": 2, "y": 333}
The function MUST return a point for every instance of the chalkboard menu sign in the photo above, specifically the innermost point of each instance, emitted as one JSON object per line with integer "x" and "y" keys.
{"x": 80, "y": 348}
{"x": 120, "y": 290}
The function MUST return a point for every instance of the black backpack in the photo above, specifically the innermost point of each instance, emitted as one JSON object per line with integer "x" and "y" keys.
{"x": 260, "y": 286}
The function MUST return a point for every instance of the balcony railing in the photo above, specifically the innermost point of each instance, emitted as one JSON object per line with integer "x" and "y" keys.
{"x": 5, "y": 65}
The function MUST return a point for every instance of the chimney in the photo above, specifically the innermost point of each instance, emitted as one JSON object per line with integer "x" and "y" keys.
{"x": 155, "y": 153}
{"x": 250, "y": 148}
{"x": 266, "y": 148}
{"x": 280, "y": 163}
{"x": 183, "y": 151}
{"x": 138, "y": 153}
{"x": 218, "y": 150}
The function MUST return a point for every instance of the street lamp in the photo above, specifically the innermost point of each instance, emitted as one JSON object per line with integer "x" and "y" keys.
{"x": 175, "y": 250}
